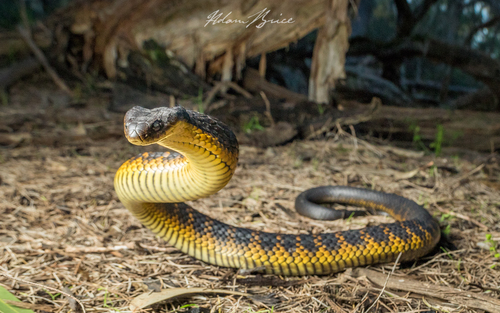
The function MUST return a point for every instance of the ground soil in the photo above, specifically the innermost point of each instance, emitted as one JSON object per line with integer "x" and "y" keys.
{"x": 62, "y": 225}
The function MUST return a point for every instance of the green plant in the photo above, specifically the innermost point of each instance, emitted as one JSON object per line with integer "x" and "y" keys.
{"x": 437, "y": 144}
{"x": 417, "y": 138}
{"x": 252, "y": 124}
{"x": 447, "y": 230}
{"x": 447, "y": 253}
{"x": 53, "y": 296}
{"x": 106, "y": 294}
{"x": 493, "y": 246}
{"x": 255, "y": 193}
{"x": 8, "y": 303}
{"x": 446, "y": 217}
{"x": 432, "y": 170}
{"x": 199, "y": 101}
{"x": 347, "y": 220}
{"x": 4, "y": 97}
{"x": 456, "y": 161}
{"x": 321, "y": 109}
{"x": 315, "y": 163}
{"x": 438, "y": 141}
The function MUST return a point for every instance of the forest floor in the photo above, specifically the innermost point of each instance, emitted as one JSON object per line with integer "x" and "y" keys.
{"x": 62, "y": 225}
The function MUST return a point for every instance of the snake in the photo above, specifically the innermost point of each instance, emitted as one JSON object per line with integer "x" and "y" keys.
{"x": 200, "y": 158}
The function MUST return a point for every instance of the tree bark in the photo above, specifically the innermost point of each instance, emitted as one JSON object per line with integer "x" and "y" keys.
{"x": 207, "y": 36}
{"x": 461, "y": 128}
{"x": 329, "y": 52}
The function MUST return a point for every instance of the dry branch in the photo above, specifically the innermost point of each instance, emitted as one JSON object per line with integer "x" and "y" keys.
{"x": 26, "y": 35}
{"x": 471, "y": 300}
{"x": 467, "y": 129}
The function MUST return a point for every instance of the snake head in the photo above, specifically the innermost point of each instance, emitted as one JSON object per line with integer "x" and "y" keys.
{"x": 145, "y": 127}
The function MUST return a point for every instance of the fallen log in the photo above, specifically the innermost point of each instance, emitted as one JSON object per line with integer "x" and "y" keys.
{"x": 415, "y": 126}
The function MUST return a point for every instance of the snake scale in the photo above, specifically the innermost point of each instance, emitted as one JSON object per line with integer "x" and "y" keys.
{"x": 203, "y": 157}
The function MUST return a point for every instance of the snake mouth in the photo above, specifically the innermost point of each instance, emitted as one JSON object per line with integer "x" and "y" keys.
{"x": 137, "y": 133}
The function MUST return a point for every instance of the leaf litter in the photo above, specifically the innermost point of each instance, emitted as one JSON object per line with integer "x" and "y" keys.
{"x": 63, "y": 227}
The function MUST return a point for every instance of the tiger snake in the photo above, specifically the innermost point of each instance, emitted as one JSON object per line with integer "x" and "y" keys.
{"x": 202, "y": 157}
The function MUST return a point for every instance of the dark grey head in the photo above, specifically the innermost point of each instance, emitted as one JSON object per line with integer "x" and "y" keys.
{"x": 144, "y": 126}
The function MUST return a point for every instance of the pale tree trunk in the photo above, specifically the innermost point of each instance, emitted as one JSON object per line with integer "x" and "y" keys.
{"x": 107, "y": 32}
{"x": 329, "y": 52}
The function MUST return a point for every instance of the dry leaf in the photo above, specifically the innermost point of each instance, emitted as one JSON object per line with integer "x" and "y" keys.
{"x": 151, "y": 298}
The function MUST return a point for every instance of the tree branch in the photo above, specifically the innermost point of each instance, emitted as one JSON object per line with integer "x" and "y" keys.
{"x": 422, "y": 9}
{"x": 404, "y": 10}
{"x": 407, "y": 20}
{"x": 476, "y": 63}
{"x": 492, "y": 22}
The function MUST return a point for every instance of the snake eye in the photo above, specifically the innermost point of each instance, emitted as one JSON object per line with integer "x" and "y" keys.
{"x": 157, "y": 125}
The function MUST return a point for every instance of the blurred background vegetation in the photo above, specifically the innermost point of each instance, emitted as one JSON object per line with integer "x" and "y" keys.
{"x": 434, "y": 54}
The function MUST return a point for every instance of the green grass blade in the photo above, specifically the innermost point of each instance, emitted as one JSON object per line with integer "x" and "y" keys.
{"x": 7, "y": 308}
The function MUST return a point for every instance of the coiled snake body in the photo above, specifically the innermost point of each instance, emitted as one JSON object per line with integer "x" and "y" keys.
{"x": 153, "y": 186}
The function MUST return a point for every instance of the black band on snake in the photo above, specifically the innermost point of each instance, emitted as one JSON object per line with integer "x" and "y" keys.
{"x": 153, "y": 186}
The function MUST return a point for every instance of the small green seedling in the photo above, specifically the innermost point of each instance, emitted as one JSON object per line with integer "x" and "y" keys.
{"x": 447, "y": 230}
{"x": 446, "y": 217}
{"x": 438, "y": 141}
{"x": 493, "y": 248}
{"x": 199, "y": 101}
{"x": 447, "y": 253}
{"x": 348, "y": 220}
{"x": 321, "y": 109}
{"x": 105, "y": 304}
{"x": 252, "y": 124}
{"x": 53, "y": 296}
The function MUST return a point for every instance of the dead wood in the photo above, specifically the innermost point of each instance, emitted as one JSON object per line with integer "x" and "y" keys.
{"x": 256, "y": 83}
{"x": 467, "y": 129}
{"x": 361, "y": 85}
{"x": 457, "y": 296}
{"x": 481, "y": 100}
{"x": 207, "y": 36}
{"x": 120, "y": 26}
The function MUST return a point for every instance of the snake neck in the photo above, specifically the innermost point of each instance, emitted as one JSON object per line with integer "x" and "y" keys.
{"x": 201, "y": 167}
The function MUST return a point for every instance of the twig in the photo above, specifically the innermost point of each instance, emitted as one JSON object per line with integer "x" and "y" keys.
{"x": 6, "y": 274}
{"x": 386, "y": 281}
{"x": 237, "y": 88}
{"x": 25, "y": 34}
{"x": 466, "y": 175}
{"x": 222, "y": 86}
{"x": 464, "y": 217}
{"x": 492, "y": 22}
{"x": 71, "y": 249}
{"x": 268, "y": 107}
{"x": 262, "y": 65}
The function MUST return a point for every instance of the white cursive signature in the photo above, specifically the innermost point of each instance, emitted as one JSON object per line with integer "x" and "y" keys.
{"x": 259, "y": 19}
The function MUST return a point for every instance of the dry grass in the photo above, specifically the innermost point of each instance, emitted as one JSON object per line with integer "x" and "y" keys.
{"x": 62, "y": 225}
